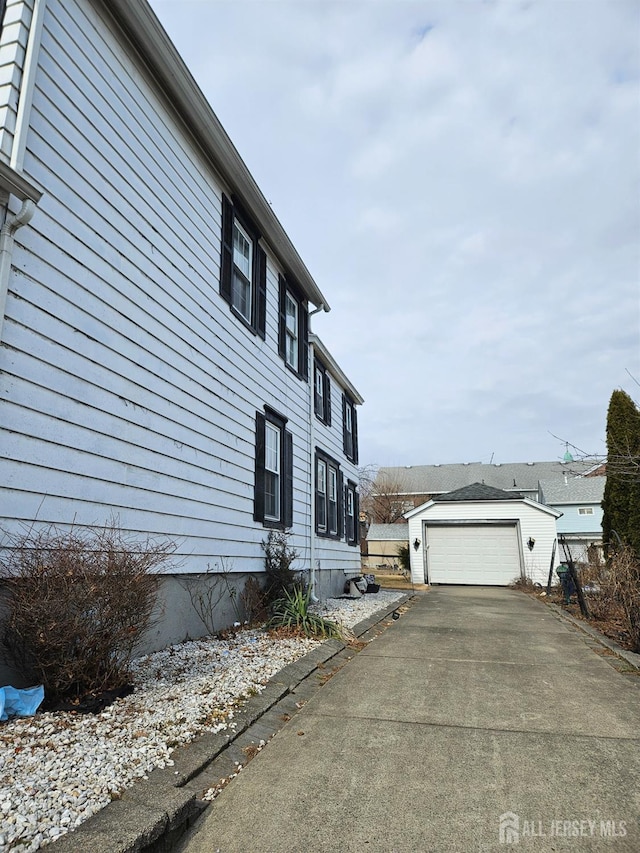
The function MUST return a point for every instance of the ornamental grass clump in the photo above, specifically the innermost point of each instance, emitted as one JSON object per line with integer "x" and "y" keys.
{"x": 292, "y": 613}
{"x": 76, "y": 602}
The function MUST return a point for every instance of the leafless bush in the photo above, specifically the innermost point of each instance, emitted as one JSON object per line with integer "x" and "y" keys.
{"x": 208, "y": 589}
{"x": 614, "y": 591}
{"x": 625, "y": 568}
{"x": 253, "y": 601}
{"x": 77, "y": 602}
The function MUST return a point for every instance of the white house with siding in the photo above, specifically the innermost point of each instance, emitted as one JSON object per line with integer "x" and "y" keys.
{"x": 155, "y": 357}
{"x": 483, "y": 536}
{"x": 580, "y": 502}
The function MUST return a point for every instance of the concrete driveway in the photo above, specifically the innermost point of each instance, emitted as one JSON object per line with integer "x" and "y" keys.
{"x": 478, "y": 707}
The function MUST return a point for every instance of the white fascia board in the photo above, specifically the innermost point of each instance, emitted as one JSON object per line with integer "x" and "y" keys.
{"x": 146, "y": 34}
{"x": 534, "y": 504}
{"x": 332, "y": 366}
{"x": 543, "y": 507}
{"x": 410, "y": 513}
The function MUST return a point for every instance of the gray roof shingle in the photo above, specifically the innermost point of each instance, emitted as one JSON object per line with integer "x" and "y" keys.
{"x": 389, "y": 532}
{"x": 438, "y": 479}
{"x": 577, "y": 491}
{"x": 478, "y": 492}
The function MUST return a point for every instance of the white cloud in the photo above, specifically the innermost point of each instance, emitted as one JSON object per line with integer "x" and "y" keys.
{"x": 462, "y": 181}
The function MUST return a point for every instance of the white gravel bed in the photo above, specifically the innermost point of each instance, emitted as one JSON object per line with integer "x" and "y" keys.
{"x": 59, "y": 768}
{"x": 348, "y": 612}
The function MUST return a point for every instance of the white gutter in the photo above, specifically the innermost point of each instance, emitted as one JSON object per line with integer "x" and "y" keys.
{"x": 30, "y": 67}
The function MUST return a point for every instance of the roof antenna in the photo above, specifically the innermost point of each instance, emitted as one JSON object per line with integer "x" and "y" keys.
{"x": 492, "y": 455}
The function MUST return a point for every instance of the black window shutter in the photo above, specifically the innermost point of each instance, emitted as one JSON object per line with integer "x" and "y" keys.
{"x": 303, "y": 344}
{"x": 327, "y": 399}
{"x": 258, "y": 491}
{"x": 287, "y": 497}
{"x": 226, "y": 249}
{"x": 356, "y": 518}
{"x": 354, "y": 427}
{"x": 344, "y": 425}
{"x": 260, "y": 307}
{"x": 341, "y": 505}
{"x": 282, "y": 317}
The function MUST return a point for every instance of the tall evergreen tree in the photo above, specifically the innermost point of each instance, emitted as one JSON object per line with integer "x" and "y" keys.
{"x": 621, "y": 501}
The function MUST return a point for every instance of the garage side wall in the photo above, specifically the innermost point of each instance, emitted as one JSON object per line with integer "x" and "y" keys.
{"x": 534, "y": 522}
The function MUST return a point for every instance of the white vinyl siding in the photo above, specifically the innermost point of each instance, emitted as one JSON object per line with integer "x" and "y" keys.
{"x": 126, "y": 391}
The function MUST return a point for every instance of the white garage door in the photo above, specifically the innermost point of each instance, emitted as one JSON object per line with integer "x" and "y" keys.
{"x": 485, "y": 554}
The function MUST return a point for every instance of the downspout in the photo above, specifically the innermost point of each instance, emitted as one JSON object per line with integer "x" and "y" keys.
{"x": 312, "y": 435}
{"x": 27, "y": 85}
{"x": 14, "y": 221}
{"x": 7, "y": 237}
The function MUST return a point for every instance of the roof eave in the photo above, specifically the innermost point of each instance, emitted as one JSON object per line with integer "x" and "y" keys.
{"x": 333, "y": 367}
{"x": 145, "y": 32}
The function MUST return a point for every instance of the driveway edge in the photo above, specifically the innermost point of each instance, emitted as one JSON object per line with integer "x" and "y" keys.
{"x": 631, "y": 657}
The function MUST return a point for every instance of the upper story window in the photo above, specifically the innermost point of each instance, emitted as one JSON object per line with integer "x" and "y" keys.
{"x": 292, "y": 343}
{"x": 585, "y": 510}
{"x": 349, "y": 429}
{"x": 273, "y": 489}
{"x": 243, "y": 268}
{"x": 321, "y": 393}
{"x": 242, "y": 271}
{"x": 293, "y": 331}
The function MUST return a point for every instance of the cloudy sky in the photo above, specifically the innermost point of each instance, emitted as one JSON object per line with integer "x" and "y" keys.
{"x": 461, "y": 179}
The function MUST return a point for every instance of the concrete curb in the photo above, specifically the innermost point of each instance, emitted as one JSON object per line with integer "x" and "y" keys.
{"x": 631, "y": 657}
{"x": 155, "y": 812}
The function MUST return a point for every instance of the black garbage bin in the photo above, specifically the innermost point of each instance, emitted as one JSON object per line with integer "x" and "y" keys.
{"x": 566, "y": 581}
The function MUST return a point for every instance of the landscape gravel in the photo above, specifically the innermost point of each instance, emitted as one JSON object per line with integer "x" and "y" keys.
{"x": 59, "y": 768}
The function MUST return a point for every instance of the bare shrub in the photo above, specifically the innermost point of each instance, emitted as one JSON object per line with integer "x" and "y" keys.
{"x": 253, "y": 601}
{"x": 614, "y": 591}
{"x": 207, "y": 590}
{"x": 279, "y": 558}
{"x": 77, "y": 602}
{"x": 625, "y": 569}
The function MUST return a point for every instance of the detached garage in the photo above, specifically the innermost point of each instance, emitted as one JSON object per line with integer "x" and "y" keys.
{"x": 481, "y": 535}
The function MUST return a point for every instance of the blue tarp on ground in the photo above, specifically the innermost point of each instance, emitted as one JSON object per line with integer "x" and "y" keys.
{"x": 20, "y": 703}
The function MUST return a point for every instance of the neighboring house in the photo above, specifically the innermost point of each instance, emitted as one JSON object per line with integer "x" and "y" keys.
{"x": 383, "y": 541}
{"x": 580, "y": 502}
{"x": 401, "y": 488}
{"x": 481, "y": 535}
{"x": 155, "y": 360}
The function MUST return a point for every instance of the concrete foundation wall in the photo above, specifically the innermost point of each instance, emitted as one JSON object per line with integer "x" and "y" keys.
{"x": 191, "y": 606}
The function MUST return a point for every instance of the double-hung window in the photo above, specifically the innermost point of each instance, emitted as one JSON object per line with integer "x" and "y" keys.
{"x": 292, "y": 341}
{"x": 273, "y": 489}
{"x": 242, "y": 271}
{"x": 272, "y": 442}
{"x": 321, "y": 393}
{"x": 243, "y": 268}
{"x": 349, "y": 429}
{"x": 328, "y": 492}
{"x": 321, "y": 495}
{"x": 293, "y": 331}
